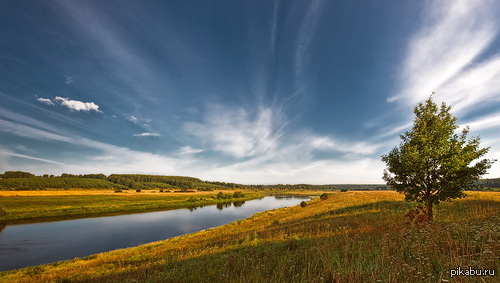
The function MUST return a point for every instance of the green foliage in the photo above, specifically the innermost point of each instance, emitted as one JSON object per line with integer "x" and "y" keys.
{"x": 193, "y": 199}
{"x": 323, "y": 196}
{"x": 222, "y": 195}
{"x": 238, "y": 195}
{"x": 3, "y": 210}
{"x": 303, "y": 204}
{"x": 432, "y": 163}
{"x": 16, "y": 174}
{"x": 205, "y": 189}
{"x": 490, "y": 183}
{"x": 299, "y": 187}
{"x": 39, "y": 183}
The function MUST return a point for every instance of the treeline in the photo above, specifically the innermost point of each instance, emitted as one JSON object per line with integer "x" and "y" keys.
{"x": 18, "y": 180}
{"x": 40, "y": 183}
{"x": 301, "y": 187}
{"x": 362, "y": 187}
{"x": 490, "y": 183}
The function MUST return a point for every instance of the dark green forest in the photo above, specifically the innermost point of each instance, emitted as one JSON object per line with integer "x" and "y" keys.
{"x": 18, "y": 180}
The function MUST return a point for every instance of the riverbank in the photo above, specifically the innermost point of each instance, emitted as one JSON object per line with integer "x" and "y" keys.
{"x": 51, "y": 205}
{"x": 349, "y": 237}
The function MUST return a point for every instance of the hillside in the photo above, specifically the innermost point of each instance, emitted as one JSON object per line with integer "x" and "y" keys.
{"x": 349, "y": 237}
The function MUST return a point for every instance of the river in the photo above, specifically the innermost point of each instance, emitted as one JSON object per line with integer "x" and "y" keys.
{"x": 40, "y": 243}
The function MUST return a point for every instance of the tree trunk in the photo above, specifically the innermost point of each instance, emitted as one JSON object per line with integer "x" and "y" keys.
{"x": 429, "y": 211}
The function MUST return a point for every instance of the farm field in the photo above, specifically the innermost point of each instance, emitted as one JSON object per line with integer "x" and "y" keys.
{"x": 349, "y": 237}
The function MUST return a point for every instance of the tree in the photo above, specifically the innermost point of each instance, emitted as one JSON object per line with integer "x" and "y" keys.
{"x": 433, "y": 163}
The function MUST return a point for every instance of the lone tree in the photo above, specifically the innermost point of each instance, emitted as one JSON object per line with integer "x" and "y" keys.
{"x": 432, "y": 163}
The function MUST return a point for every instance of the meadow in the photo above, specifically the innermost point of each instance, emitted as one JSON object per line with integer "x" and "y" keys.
{"x": 349, "y": 237}
{"x": 49, "y": 205}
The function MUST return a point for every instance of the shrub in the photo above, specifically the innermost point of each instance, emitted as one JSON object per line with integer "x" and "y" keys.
{"x": 138, "y": 190}
{"x": 161, "y": 190}
{"x": 118, "y": 191}
{"x": 343, "y": 190}
{"x": 303, "y": 204}
{"x": 238, "y": 195}
{"x": 323, "y": 196}
{"x": 3, "y": 210}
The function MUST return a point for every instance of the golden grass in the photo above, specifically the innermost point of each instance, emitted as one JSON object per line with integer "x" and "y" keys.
{"x": 350, "y": 237}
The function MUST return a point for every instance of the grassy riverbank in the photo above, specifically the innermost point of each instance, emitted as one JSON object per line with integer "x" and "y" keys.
{"x": 36, "y": 206}
{"x": 350, "y": 237}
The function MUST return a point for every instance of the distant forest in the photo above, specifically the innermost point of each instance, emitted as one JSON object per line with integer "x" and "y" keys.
{"x": 18, "y": 180}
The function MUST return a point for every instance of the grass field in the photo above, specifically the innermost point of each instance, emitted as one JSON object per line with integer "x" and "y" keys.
{"x": 350, "y": 237}
{"x": 35, "y": 206}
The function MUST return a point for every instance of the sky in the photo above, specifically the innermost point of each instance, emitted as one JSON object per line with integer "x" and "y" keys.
{"x": 253, "y": 92}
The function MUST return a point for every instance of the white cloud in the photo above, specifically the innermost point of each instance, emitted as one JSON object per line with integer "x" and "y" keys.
{"x": 147, "y": 135}
{"x": 77, "y": 105}
{"x": 451, "y": 55}
{"x": 112, "y": 159}
{"x": 69, "y": 79}
{"x": 30, "y": 132}
{"x": 45, "y": 101}
{"x": 306, "y": 35}
{"x": 360, "y": 171}
{"x": 237, "y": 133}
{"x": 132, "y": 119}
{"x": 330, "y": 144}
{"x": 485, "y": 122}
{"x": 287, "y": 162}
{"x": 454, "y": 35}
{"x": 28, "y": 157}
{"x": 188, "y": 150}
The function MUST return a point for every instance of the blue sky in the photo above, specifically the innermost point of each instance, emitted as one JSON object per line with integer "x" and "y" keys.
{"x": 255, "y": 92}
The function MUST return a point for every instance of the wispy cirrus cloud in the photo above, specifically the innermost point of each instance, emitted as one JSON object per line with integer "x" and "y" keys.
{"x": 306, "y": 34}
{"x": 147, "y": 135}
{"x": 445, "y": 55}
{"x": 329, "y": 144}
{"x": 485, "y": 122}
{"x": 95, "y": 23}
{"x": 451, "y": 55}
{"x": 188, "y": 150}
{"x": 8, "y": 153}
{"x": 236, "y": 132}
{"x": 111, "y": 158}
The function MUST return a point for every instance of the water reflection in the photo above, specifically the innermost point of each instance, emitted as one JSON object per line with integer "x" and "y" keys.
{"x": 221, "y": 206}
{"x": 238, "y": 203}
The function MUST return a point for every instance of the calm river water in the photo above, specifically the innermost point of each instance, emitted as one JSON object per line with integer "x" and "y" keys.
{"x": 40, "y": 243}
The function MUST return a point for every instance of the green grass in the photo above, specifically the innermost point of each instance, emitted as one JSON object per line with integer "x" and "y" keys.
{"x": 349, "y": 237}
{"x": 25, "y": 209}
